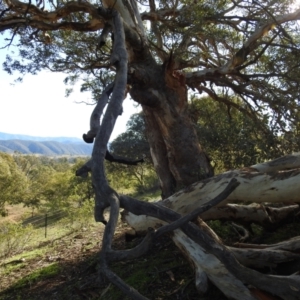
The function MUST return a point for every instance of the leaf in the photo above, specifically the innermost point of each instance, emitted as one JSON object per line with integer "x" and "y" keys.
{"x": 171, "y": 275}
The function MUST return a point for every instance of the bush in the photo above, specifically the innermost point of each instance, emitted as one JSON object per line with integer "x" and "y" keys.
{"x": 13, "y": 238}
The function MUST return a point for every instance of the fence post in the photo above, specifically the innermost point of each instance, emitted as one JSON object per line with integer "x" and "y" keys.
{"x": 46, "y": 221}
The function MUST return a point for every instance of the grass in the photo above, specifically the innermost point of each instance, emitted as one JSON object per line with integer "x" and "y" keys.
{"x": 15, "y": 213}
{"x": 38, "y": 275}
{"x": 66, "y": 267}
{"x": 26, "y": 255}
{"x": 13, "y": 241}
{"x": 162, "y": 274}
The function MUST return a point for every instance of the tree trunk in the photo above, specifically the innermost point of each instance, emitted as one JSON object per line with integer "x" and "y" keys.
{"x": 280, "y": 185}
{"x": 177, "y": 155}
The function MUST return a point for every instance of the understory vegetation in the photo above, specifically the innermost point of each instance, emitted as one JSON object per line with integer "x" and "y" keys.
{"x": 49, "y": 242}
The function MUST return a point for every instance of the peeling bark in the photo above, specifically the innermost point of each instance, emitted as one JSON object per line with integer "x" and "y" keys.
{"x": 208, "y": 261}
{"x": 266, "y": 216}
{"x": 178, "y": 157}
{"x": 286, "y": 287}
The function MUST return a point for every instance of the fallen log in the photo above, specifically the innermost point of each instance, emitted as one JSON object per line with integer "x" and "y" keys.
{"x": 265, "y": 216}
{"x": 201, "y": 246}
{"x": 275, "y": 187}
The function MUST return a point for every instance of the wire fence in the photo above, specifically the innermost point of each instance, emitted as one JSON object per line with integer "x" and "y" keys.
{"x": 46, "y": 220}
{"x": 41, "y": 229}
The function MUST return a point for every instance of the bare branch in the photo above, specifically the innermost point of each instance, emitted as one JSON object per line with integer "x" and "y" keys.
{"x": 136, "y": 252}
{"x": 192, "y": 215}
{"x": 286, "y": 287}
{"x": 241, "y": 55}
{"x": 96, "y": 115}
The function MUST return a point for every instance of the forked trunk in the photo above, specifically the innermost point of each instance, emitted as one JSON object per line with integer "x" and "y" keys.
{"x": 177, "y": 155}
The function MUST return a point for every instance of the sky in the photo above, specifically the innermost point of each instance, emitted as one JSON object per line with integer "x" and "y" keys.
{"x": 38, "y": 106}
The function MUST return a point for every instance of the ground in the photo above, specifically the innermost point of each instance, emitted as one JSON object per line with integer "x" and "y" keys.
{"x": 66, "y": 268}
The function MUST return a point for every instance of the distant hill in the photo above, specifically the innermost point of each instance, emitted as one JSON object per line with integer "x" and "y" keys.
{"x": 67, "y": 140}
{"x": 43, "y": 145}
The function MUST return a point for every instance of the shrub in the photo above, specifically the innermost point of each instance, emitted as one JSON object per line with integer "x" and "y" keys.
{"x": 13, "y": 238}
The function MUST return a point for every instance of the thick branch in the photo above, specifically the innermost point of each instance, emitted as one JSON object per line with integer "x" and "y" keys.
{"x": 287, "y": 162}
{"x": 285, "y": 287}
{"x": 241, "y": 55}
{"x": 192, "y": 215}
{"x": 114, "y": 108}
{"x": 122, "y": 160}
{"x": 49, "y": 20}
{"x": 266, "y": 216}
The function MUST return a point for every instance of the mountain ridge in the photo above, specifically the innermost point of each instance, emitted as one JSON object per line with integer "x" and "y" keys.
{"x": 12, "y": 136}
{"x": 49, "y": 146}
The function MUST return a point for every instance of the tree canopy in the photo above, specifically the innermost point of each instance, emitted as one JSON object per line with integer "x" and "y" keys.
{"x": 225, "y": 49}
{"x": 242, "y": 54}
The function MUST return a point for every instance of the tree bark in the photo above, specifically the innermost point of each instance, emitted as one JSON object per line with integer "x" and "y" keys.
{"x": 204, "y": 250}
{"x": 278, "y": 186}
{"x": 265, "y": 216}
{"x": 177, "y": 155}
{"x": 256, "y": 187}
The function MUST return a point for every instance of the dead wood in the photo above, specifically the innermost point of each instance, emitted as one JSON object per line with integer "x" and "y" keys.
{"x": 263, "y": 215}
{"x": 202, "y": 247}
{"x": 286, "y": 287}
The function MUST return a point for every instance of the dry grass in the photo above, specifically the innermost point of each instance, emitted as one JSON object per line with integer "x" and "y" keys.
{"x": 15, "y": 213}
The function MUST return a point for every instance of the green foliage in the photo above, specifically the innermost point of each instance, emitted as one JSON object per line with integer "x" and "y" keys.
{"x": 50, "y": 184}
{"x": 40, "y": 274}
{"x": 12, "y": 182}
{"x": 132, "y": 144}
{"x": 82, "y": 215}
{"x": 42, "y": 182}
{"x": 232, "y": 138}
{"x": 13, "y": 238}
{"x": 82, "y": 189}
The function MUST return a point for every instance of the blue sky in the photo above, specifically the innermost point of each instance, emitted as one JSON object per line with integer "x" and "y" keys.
{"x": 38, "y": 106}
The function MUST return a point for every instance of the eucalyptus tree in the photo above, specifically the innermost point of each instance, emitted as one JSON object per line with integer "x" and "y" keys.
{"x": 13, "y": 182}
{"x": 236, "y": 140}
{"x": 221, "y": 48}
{"x": 159, "y": 52}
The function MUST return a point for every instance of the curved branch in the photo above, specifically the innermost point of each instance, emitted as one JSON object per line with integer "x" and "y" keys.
{"x": 118, "y": 58}
{"x": 122, "y": 160}
{"x": 136, "y": 252}
{"x": 284, "y": 287}
{"x": 96, "y": 115}
{"x": 59, "y": 13}
{"x": 241, "y": 55}
{"x": 232, "y": 185}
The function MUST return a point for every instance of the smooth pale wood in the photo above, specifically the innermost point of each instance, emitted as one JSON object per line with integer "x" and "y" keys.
{"x": 254, "y": 187}
{"x": 281, "y": 186}
{"x": 213, "y": 268}
{"x": 291, "y": 161}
